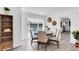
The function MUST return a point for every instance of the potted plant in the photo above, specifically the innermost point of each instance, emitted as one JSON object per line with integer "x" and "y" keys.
{"x": 6, "y": 9}
{"x": 76, "y": 36}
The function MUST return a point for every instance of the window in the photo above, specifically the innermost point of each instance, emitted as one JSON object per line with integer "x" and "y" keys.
{"x": 36, "y": 26}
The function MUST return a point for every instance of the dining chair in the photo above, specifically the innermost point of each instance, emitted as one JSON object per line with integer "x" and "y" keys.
{"x": 55, "y": 38}
{"x": 34, "y": 37}
{"x": 42, "y": 39}
{"x": 54, "y": 32}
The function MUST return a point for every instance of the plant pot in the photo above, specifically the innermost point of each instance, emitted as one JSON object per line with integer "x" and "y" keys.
{"x": 77, "y": 45}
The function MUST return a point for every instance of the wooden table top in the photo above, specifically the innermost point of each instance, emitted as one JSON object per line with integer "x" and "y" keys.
{"x": 47, "y": 32}
{"x": 42, "y": 37}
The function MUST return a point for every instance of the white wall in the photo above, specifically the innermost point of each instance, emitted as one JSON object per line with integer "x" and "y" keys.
{"x": 24, "y": 25}
{"x": 74, "y": 15}
{"x": 16, "y": 12}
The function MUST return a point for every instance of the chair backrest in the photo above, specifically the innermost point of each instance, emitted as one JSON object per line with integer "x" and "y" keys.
{"x": 58, "y": 34}
{"x": 55, "y": 31}
{"x": 32, "y": 35}
{"x": 42, "y": 37}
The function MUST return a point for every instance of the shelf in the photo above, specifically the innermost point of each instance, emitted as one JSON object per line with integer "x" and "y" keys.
{"x": 6, "y": 21}
{"x": 6, "y": 26}
{"x": 6, "y": 32}
{"x": 6, "y": 45}
{"x": 6, "y": 37}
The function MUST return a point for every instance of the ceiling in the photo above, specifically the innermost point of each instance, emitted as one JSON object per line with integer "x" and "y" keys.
{"x": 47, "y": 11}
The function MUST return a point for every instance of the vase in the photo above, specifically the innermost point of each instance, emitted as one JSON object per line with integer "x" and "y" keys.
{"x": 77, "y": 44}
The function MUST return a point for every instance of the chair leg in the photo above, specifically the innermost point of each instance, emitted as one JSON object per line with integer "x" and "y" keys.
{"x": 45, "y": 47}
{"x": 42, "y": 43}
{"x": 49, "y": 42}
{"x": 31, "y": 42}
{"x": 58, "y": 44}
{"x": 38, "y": 46}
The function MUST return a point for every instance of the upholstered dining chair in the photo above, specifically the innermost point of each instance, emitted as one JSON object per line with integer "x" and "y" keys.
{"x": 42, "y": 39}
{"x": 54, "y": 32}
{"x": 55, "y": 38}
{"x": 34, "y": 37}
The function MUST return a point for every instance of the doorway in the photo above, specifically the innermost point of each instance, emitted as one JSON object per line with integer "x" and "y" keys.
{"x": 65, "y": 24}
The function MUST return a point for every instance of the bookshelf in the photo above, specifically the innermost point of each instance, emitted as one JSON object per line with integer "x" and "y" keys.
{"x": 6, "y": 32}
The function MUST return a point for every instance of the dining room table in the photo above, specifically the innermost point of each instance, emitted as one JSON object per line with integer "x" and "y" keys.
{"x": 43, "y": 39}
{"x": 49, "y": 33}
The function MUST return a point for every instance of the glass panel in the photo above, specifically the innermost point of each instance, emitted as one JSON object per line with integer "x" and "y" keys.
{"x": 40, "y": 26}
{"x": 34, "y": 27}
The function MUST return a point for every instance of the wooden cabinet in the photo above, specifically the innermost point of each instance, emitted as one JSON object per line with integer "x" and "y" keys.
{"x": 6, "y": 32}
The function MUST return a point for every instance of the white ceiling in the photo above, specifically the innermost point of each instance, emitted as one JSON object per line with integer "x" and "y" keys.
{"x": 47, "y": 11}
